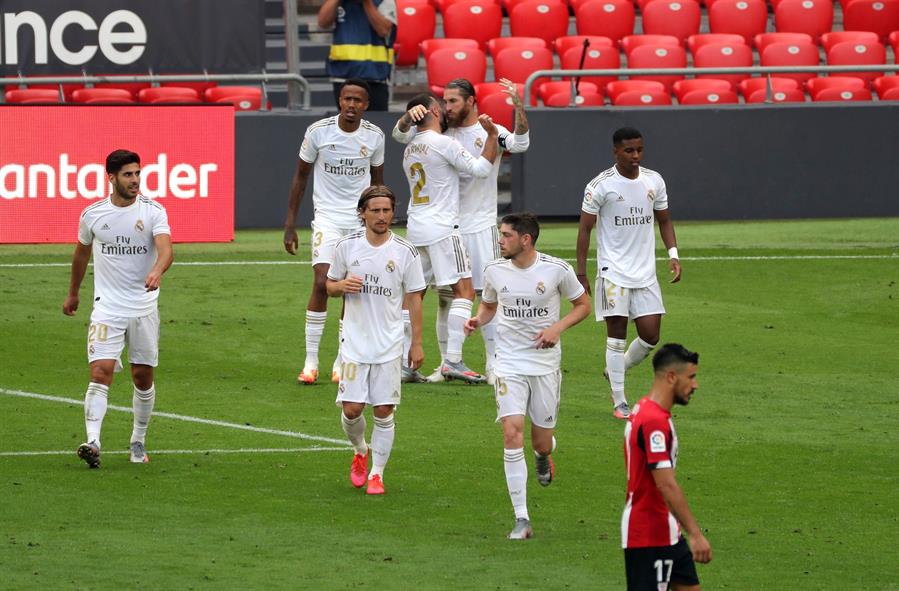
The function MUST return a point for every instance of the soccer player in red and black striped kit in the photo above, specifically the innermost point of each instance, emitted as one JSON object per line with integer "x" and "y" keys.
{"x": 656, "y": 554}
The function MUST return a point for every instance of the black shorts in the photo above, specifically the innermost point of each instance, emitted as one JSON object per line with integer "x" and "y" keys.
{"x": 648, "y": 568}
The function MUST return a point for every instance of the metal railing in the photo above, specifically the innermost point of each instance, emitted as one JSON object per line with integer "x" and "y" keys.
{"x": 767, "y": 70}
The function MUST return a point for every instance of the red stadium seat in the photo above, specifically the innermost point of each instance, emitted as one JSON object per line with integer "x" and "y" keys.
{"x": 199, "y": 86}
{"x": 650, "y": 56}
{"x": 877, "y": 16}
{"x": 637, "y": 98}
{"x": 842, "y": 94}
{"x": 694, "y": 42}
{"x": 481, "y": 20}
{"x": 150, "y": 95}
{"x": 679, "y": 18}
{"x": 242, "y": 103}
{"x": 442, "y": 5}
{"x": 20, "y": 95}
{"x": 885, "y": 83}
{"x": 632, "y": 42}
{"x": 618, "y": 87}
{"x": 429, "y": 46}
{"x": 742, "y": 17}
{"x": 852, "y": 53}
{"x": 39, "y": 101}
{"x": 724, "y": 56}
{"x": 817, "y": 84}
{"x": 517, "y": 64}
{"x": 414, "y": 24}
{"x": 682, "y": 87}
{"x": 894, "y": 43}
{"x": 607, "y": 18}
{"x": 584, "y": 99}
{"x": 763, "y": 40}
{"x": 891, "y": 94}
{"x": 787, "y": 95}
{"x": 109, "y": 100}
{"x": 595, "y": 59}
{"x": 828, "y": 40}
{"x": 184, "y": 100}
{"x": 548, "y": 89}
{"x": 750, "y": 86}
{"x": 499, "y": 107}
{"x": 494, "y": 46}
{"x": 67, "y": 89}
{"x": 546, "y": 19}
{"x": 563, "y": 44}
{"x": 710, "y": 97}
{"x": 485, "y": 89}
{"x": 93, "y": 95}
{"x": 791, "y": 54}
{"x": 510, "y": 5}
{"x": 212, "y": 95}
{"x": 132, "y": 87}
{"x": 813, "y": 17}
{"x": 448, "y": 64}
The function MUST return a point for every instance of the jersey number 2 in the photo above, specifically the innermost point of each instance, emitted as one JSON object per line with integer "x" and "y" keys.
{"x": 417, "y": 197}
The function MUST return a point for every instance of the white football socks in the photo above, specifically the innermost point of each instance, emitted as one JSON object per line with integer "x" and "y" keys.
{"x": 459, "y": 312}
{"x": 516, "y": 480}
{"x": 142, "y": 404}
{"x": 381, "y": 444}
{"x": 315, "y": 327}
{"x": 355, "y": 432}
{"x": 637, "y": 352}
{"x": 615, "y": 368}
{"x": 95, "y": 401}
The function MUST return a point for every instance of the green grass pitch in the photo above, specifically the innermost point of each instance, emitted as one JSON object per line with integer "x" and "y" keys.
{"x": 787, "y": 450}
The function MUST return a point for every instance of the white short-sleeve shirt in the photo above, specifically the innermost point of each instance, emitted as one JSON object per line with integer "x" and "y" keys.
{"x": 373, "y": 318}
{"x": 124, "y": 252}
{"x": 625, "y": 232}
{"x": 528, "y": 301}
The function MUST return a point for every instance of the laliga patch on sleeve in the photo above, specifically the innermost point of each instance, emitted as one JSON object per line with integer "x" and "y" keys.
{"x": 657, "y": 442}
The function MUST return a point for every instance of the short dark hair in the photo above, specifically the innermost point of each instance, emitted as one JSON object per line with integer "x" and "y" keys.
{"x": 375, "y": 191}
{"x": 625, "y": 133}
{"x": 465, "y": 87}
{"x": 356, "y": 82}
{"x": 673, "y": 354}
{"x": 425, "y": 99}
{"x": 118, "y": 159}
{"x": 524, "y": 223}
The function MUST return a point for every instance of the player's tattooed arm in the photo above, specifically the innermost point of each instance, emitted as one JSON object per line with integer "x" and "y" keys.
{"x": 521, "y": 120}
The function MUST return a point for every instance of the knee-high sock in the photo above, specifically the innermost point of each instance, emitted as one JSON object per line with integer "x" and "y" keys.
{"x": 381, "y": 444}
{"x": 407, "y": 336}
{"x": 488, "y": 331}
{"x": 142, "y": 404}
{"x": 459, "y": 312}
{"x": 315, "y": 327}
{"x": 355, "y": 432}
{"x": 615, "y": 368}
{"x": 444, "y": 300}
{"x": 517, "y": 480}
{"x": 637, "y": 352}
{"x": 95, "y": 401}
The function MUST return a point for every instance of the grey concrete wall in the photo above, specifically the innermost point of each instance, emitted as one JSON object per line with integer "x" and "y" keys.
{"x": 744, "y": 162}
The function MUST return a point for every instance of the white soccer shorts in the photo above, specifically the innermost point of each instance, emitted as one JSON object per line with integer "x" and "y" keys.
{"x": 536, "y": 396}
{"x": 445, "y": 262}
{"x": 633, "y": 302}
{"x": 108, "y": 335}
{"x": 324, "y": 240}
{"x": 483, "y": 248}
{"x": 375, "y": 384}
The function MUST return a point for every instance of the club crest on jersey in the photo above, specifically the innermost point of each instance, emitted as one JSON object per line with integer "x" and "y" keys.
{"x": 341, "y": 387}
{"x": 139, "y": 225}
{"x": 391, "y": 266}
{"x": 315, "y": 252}
{"x": 363, "y": 151}
{"x": 541, "y": 289}
{"x": 651, "y": 195}
{"x": 657, "y": 442}
{"x": 478, "y": 143}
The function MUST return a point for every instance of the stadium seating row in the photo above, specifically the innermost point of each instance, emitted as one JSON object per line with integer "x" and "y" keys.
{"x": 241, "y": 97}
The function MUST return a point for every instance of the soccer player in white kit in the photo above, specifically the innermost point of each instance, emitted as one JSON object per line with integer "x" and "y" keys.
{"x": 433, "y": 163}
{"x": 376, "y": 272}
{"x": 626, "y": 198}
{"x": 347, "y": 154}
{"x": 129, "y": 237}
{"x": 524, "y": 291}
{"x": 477, "y": 196}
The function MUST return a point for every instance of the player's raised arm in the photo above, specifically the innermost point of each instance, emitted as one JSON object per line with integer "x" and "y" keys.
{"x": 521, "y": 120}
{"x": 297, "y": 190}
{"x": 80, "y": 259}
{"x": 402, "y": 131}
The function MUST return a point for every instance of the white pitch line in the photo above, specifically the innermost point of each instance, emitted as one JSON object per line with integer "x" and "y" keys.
{"x": 246, "y": 450}
{"x": 186, "y": 418}
{"x": 786, "y": 257}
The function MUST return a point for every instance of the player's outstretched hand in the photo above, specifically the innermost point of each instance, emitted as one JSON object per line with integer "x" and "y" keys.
{"x": 487, "y": 123}
{"x": 702, "y": 550}
{"x": 352, "y": 284}
{"x": 511, "y": 89}
{"x": 70, "y": 305}
{"x": 291, "y": 240}
{"x": 674, "y": 265}
{"x": 416, "y": 356}
{"x": 548, "y": 337}
{"x": 471, "y": 325}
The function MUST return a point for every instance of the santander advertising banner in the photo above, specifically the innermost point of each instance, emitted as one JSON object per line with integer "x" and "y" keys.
{"x": 52, "y": 166}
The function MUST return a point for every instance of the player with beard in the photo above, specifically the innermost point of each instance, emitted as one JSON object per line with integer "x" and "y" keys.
{"x": 129, "y": 237}
{"x": 477, "y": 196}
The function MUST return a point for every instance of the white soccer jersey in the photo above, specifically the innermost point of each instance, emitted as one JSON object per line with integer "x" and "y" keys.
{"x": 433, "y": 163}
{"x": 373, "y": 318}
{"x": 625, "y": 235}
{"x": 124, "y": 251}
{"x": 477, "y": 196}
{"x": 343, "y": 164}
{"x": 529, "y": 300}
